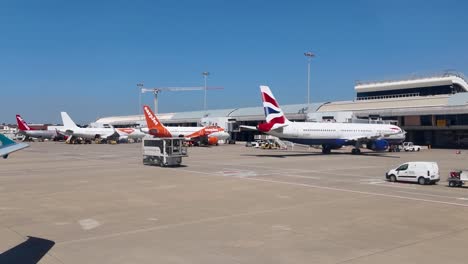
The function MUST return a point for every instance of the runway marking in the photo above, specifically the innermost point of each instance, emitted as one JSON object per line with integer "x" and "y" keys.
{"x": 354, "y": 191}
{"x": 62, "y": 223}
{"x": 344, "y": 190}
{"x": 325, "y": 171}
{"x": 391, "y": 185}
{"x": 434, "y": 195}
{"x": 199, "y": 221}
{"x": 273, "y": 173}
{"x": 294, "y": 176}
{"x": 374, "y": 182}
{"x": 88, "y": 224}
{"x": 238, "y": 173}
{"x": 274, "y": 168}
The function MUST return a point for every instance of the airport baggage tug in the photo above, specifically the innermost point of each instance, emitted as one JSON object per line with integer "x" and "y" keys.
{"x": 458, "y": 178}
{"x": 164, "y": 151}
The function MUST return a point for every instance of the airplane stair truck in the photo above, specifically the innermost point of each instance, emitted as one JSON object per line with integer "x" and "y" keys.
{"x": 281, "y": 144}
{"x": 163, "y": 151}
{"x": 275, "y": 141}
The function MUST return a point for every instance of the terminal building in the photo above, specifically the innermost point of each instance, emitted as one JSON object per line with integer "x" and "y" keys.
{"x": 433, "y": 110}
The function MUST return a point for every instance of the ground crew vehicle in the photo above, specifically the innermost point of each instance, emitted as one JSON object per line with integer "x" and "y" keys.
{"x": 409, "y": 146}
{"x": 422, "y": 172}
{"x": 163, "y": 151}
{"x": 458, "y": 178}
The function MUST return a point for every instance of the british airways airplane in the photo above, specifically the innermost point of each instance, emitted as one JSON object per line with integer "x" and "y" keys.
{"x": 376, "y": 137}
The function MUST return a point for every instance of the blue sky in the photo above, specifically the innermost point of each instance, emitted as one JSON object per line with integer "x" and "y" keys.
{"x": 85, "y": 57}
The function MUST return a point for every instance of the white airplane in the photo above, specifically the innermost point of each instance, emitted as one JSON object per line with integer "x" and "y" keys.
{"x": 8, "y": 146}
{"x": 26, "y": 130}
{"x": 212, "y": 134}
{"x": 130, "y": 133}
{"x": 376, "y": 137}
{"x": 71, "y": 129}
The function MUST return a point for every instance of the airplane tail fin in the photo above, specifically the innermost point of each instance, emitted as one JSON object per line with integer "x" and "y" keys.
{"x": 274, "y": 116}
{"x": 155, "y": 127}
{"x": 6, "y": 141}
{"x": 67, "y": 121}
{"x": 22, "y": 125}
{"x": 8, "y": 146}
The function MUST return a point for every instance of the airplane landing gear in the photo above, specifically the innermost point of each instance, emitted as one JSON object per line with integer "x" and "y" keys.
{"x": 355, "y": 151}
{"x": 326, "y": 149}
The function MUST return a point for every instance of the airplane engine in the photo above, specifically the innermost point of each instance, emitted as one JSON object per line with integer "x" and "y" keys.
{"x": 378, "y": 145}
{"x": 123, "y": 139}
{"x": 212, "y": 141}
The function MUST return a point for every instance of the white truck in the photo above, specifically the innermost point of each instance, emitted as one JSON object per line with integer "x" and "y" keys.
{"x": 409, "y": 146}
{"x": 163, "y": 151}
{"x": 422, "y": 172}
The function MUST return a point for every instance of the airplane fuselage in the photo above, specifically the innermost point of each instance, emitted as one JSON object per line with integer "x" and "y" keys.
{"x": 91, "y": 133}
{"x": 46, "y": 134}
{"x": 336, "y": 134}
{"x": 187, "y": 131}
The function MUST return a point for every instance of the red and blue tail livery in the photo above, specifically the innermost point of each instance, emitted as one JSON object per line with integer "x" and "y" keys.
{"x": 274, "y": 116}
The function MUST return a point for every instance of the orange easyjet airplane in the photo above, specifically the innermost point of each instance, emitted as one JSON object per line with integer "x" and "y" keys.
{"x": 212, "y": 133}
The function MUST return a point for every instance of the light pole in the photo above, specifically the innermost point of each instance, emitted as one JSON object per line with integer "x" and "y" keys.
{"x": 140, "y": 86}
{"x": 309, "y": 56}
{"x": 205, "y": 76}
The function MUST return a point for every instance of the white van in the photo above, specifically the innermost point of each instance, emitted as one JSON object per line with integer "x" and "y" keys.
{"x": 422, "y": 172}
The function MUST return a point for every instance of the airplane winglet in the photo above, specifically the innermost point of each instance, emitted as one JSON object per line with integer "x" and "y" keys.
{"x": 8, "y": 146}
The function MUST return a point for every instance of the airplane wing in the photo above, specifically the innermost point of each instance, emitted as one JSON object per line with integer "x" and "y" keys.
{"x": 253, "y": 128}
{"x": 8, "y": 146}
{"x": 114, "y": 134}
{"x": 364, "y": 139}
{"x": 248, "y": 128}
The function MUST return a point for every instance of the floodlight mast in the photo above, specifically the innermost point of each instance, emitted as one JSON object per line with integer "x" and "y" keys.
{"x": 140, "y": 86}
{"x": 309, "y": 56}
{"x": 205, "y": 76}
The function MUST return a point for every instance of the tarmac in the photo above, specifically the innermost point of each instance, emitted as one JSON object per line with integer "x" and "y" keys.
{"x": 228, "y": 204}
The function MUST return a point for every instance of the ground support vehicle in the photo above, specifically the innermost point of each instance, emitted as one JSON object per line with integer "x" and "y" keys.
{"x": 163, "y": 151}
{"x": 422, "y": 172}
{"x": 409, "y": 146}
{"x": 458, "y": 178}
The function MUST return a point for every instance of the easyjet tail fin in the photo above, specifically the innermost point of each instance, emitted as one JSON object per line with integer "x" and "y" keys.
{"x": 155, "y": 127}
{"x": 22, "y": 125}
{"x": 67, "y": 121}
